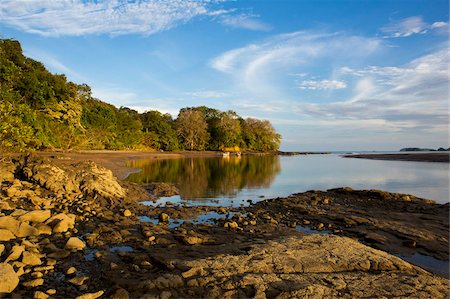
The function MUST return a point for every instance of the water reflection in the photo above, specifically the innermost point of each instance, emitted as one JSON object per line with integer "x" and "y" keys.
{"x": 209, "y": 177}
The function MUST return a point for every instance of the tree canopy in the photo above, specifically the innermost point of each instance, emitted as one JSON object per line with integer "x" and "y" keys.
{"x": 41, "y": 110}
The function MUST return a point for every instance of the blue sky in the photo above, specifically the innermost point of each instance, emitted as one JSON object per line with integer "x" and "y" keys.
{"x": 329, "y": 75}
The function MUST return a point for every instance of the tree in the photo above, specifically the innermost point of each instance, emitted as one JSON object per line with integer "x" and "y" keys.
{"x": 227, "y": 131}
{"x": 192, "y": 129}
{"x": 160, "y": 130}
{"x": 259, "y": 135}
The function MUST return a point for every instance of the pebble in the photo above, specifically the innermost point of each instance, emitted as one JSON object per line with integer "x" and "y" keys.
{"x": 163, "y": 217}
{"x": 127, "y": 213}
{"x": 120, "y": 294}
{"x": 90, "y": 295}
{"x": 33, "y": 283}
{"x": 71, "y": 270}
{"x": 40, "y": 295}
{"x": 75, "y": 243}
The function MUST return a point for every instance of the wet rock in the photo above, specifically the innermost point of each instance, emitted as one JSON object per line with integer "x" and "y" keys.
{"x": 8, "y": 278}
{"x": 59, "y": 254}
{"x": 90, "y": 295}
{"x": 163, "y": 217}
{"x": 120, "y": 294}
{"x": 410, "y": 243}
{"x": 37, "y": 216}
{"x": 75, "y": 244}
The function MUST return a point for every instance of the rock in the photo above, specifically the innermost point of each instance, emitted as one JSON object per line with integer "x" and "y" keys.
{"x": 90, "y": 295}
{"x": 2, "y": 249}
{"x": 320, "y": 226}
{"x": 33, "y": 283}
{"x": 127, "y": 213}
{"x": 37, "y": 216}
{"x": 59, "y": 254}
{"x": 16, "y": 252}
{"x": 4, "y": 206}
{"x": 26, "y": 230}
{"x": 120, "y": 294}
{"x": 31, "y": 259}
{"x": 43, "y": 229}
{"x": 63, "y": 222}
{"x": 410, "y": 243}
{"x": 75, "y": 244}
{"x": 163, "y": 217}
{"x": 8, "y": 278}
{"x": 193, "y": 272}
{"x": 9, "y": 223}
{"x": 79, "y": 280}
{"x": 51, "y": 291}
{"x": 165, "y": 295}
{"x": 192, "y": 240}
{"x": 231, "y": 225}
{"x": 40, "y": 295}
{"x": 6, "y": 235}
{"x": 71, "y": 270}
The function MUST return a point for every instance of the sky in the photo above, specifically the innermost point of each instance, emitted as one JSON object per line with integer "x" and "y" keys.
{"x": 329, "y": 75}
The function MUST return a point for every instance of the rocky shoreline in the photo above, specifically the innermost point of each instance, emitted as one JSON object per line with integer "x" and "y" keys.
{"x": 73, "y": 230}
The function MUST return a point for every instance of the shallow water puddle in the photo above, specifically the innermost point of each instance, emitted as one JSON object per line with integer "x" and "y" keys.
{"x": 124, "y": 248}
{"x": 310, "y": 231}
{"x": 203, "y": 218}
{"x": 429, "y": 263}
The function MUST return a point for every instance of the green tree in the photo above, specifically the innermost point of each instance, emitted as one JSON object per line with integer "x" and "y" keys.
{"x": 192, "y": 129}
{"x": 160, "y": 130}
{"x": 259, "y": 135}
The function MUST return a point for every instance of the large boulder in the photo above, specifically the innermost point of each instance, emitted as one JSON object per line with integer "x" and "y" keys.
{"x": 87, "y": 177}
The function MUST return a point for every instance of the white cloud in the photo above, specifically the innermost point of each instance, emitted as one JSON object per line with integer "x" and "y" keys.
{"x": 411, "y": 97}
{"x": 322, "y": 84}
{"x": 115, "y": 17}
{"x": 257, "y": 67}
{"x": 243, "y": 21}
{"x": 410, "y": 26}
{"x": 214, "y": 94}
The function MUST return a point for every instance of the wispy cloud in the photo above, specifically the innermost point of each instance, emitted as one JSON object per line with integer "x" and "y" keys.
{"x": 245, "y": 21}
{"x": 410, "y": 26}
{"x": 211, "y": 94}
{"x": 115, "y": 17}
{"x": 321, "y": 84}
{"x": 414, "y": 96}
{"x": 258, "y": 66}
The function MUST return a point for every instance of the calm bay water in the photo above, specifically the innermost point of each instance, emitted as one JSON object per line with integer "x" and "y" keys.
{"x": 234, "y": 181}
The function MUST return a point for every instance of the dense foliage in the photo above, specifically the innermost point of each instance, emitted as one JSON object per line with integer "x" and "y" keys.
{"x": 41, "y": 110}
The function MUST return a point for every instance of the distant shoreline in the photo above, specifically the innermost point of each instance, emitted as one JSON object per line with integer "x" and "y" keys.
{"x": 442, "y": 157}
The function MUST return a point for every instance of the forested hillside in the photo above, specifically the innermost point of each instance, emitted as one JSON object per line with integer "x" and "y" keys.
{"x": 40, "y": 110}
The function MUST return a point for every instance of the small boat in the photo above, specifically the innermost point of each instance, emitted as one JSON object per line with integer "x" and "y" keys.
{"x": 225, "y": 154}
